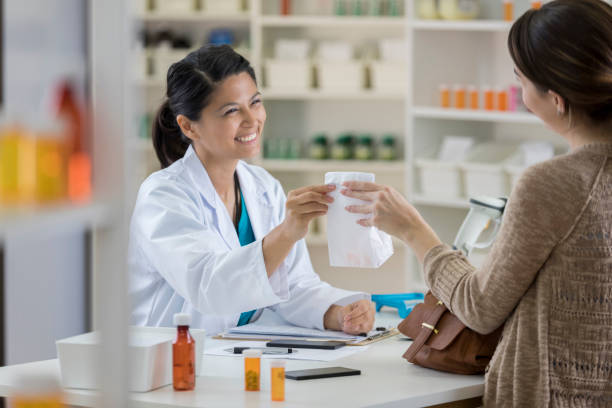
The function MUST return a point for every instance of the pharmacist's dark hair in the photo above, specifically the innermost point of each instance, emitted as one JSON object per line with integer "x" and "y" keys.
{"x": 566, "y": 47}
{"x": 190, "y": 83}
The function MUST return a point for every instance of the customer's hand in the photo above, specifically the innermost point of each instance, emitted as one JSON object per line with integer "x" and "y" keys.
{"x": 389, "y": 211}
{"x": 355, "y": 318}
{"x": 303, "y": 205}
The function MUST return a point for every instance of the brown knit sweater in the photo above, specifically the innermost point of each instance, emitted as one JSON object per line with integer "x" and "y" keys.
{"x": 549, "y": 278}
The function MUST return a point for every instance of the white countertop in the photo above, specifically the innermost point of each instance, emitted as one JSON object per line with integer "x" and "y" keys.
{"x": 386, "y": 380}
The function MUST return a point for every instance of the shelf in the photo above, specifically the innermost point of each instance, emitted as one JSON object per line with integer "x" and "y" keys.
{"x": 473, "y": 25}
{"x": 475, "y": 115}
{"x": 331, "y": 21}
{"x": 194, "y": 17}
{"x": 61, "y": 216}
{"x": 314, "y": 94}
{"x": 319, "y": 166}
{"x": 461, "y": 203}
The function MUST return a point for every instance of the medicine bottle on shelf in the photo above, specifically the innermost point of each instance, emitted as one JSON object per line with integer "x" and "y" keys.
{"x": 508, "y": 10}
{"x": 183, "y": 354}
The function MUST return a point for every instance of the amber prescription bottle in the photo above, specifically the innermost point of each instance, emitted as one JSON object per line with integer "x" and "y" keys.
{"x": 277, "y": 378}
{"x": 460, "y": 96}
{"x": 474, "y": 97}
{"x": 508, "y": 10}
{"x": 444, "y": 96}
{"x": 183, "y": 354}
{"x": 489, "y": 98}
{"x": 252, "y": 369}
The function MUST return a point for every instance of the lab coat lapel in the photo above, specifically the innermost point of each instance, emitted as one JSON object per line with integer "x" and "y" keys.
{"x": 200, "y": 178}
{"x": 256, "y": 200}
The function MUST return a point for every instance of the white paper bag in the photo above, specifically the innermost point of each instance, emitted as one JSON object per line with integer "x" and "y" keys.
{"x": 349, "y": 243}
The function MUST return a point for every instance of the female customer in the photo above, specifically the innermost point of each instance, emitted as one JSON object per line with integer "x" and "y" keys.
{"x": 215, "y": 237}
{"x": 548, "y": 276}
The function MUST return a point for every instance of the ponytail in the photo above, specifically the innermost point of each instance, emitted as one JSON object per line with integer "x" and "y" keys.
{"x": 169, "y": 142}
{"x": 190, "y": 83}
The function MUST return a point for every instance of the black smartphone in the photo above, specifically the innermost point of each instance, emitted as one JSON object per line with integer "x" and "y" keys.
{"x": 311, "y": 344}
{"x": 314, "y": 373}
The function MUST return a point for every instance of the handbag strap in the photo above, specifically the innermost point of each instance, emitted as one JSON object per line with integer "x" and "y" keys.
{"x": 427, "y": 329}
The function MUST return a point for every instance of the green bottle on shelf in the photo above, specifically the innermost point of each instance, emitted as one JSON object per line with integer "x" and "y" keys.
{"x": 318, "y": 149}
{"x": 365, "y": 147}
{"x": 387, "y": 149}
{"x": 339, "y": 7}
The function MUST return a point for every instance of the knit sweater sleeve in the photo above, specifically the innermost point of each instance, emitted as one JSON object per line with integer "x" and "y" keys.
{"x": 542, "y": 209}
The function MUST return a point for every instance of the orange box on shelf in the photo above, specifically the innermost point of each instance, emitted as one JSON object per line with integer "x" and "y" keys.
{"x": 489, "y": 98}
{"x": 459, "y": 91}
{"x": 444, "y": 96}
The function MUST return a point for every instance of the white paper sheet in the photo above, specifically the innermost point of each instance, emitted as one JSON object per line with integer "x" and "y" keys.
{"x": 301, "y": 354}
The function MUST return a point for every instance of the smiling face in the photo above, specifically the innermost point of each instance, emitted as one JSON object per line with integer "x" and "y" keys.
{"x": 231, "y": 124}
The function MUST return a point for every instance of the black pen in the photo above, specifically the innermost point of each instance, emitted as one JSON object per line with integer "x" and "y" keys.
{"x": 264, "y": 350}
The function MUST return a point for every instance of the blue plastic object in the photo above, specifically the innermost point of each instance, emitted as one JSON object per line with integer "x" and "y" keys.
{"x": 221, "y": 36}
{"x": 403, "y": 302}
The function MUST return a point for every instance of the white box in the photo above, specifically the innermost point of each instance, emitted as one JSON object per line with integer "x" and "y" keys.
{"x": 439, "y": 179}
{"x": 288, "y": 75}
{"x": 337, "y": 51}
{"x": 150, "y": 351}
{"x": 173, "y": 6}
{"x": 291, "y": 49}
{"x": 163, "y": 58}
{"x": 393, "y": 49}
{"x": 388, "y": 76}
{"x": 341, "y": 76}
{"x": 222, "y": 6}
{"x": 483, "y": 169}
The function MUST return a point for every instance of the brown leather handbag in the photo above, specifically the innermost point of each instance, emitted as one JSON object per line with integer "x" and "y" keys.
{"x": 442, "y": 342}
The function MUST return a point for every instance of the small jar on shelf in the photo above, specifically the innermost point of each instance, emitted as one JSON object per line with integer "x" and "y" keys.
{"x": 387, "y": 149}
{"x": 365, "y": 147}
{"x": 318, "y": 149}
{"x": 342, "y": 149}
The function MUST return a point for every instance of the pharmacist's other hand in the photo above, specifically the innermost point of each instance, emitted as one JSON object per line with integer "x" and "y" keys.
{"x": 388, "y": 210}
{"x": 303, "y": 205}
{"x": 357, "y": 317}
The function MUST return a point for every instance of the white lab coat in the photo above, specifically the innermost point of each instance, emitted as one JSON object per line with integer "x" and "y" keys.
{"x": 184, "y": 254}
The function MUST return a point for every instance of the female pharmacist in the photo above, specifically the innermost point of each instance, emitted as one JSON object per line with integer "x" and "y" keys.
{"x": 215, "y": 237}
{"x": 548, "y": 277}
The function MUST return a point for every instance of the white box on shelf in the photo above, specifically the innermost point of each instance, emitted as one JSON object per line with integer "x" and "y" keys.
{"x": 483, "y": 170}
{"x": 388, "y": 76}
{"x": 288, "y": 75}
{"x": 338, "y": 51}
{"x": 291, "y": 49}
{"x": 222, "y": 6}
{"x": 163, "y": 58}
{"x": 439, "y": 179}
{"x": 150, "y": 351}
{"x": 393, "y": 49}
{"x": 514, "y": 168}
{"x": 173, "y": 6}
{"x": 341, "y": 76}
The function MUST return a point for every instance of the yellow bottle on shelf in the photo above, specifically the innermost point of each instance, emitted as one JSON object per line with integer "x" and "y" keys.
{"x": 16, "y": 165}
{"x": 50, "y": 162}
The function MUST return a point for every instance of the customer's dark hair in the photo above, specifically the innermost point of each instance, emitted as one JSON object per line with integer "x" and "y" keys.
{"x": 190, "y": 82}
{"x": 566, "y": 47}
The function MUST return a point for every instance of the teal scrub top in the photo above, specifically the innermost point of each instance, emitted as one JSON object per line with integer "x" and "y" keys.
{"x": 245, "y": 236}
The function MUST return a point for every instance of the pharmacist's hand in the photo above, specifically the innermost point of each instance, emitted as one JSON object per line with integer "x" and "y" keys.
{"x": 389, "y": 211}
{"x": 303, "y": 205}
{"x": 357, "y": 317}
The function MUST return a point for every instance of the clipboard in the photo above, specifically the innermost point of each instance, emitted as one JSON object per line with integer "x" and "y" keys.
{"x": 368, "y": 340}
